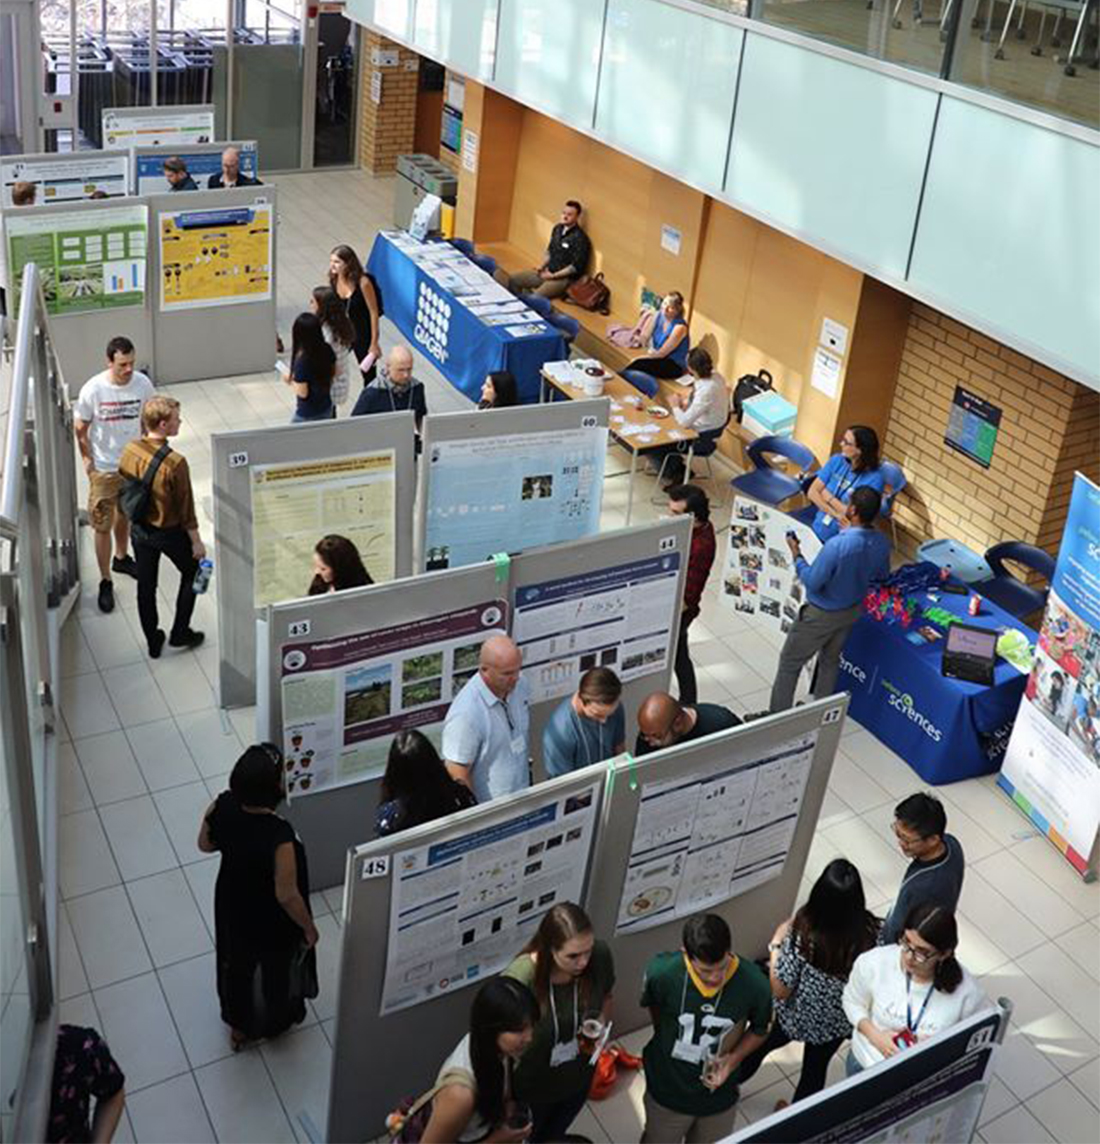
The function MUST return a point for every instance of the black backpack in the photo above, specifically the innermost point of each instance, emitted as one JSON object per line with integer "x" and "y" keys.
{"x": 749, "y": 386}
{"x": 136, "y": 495}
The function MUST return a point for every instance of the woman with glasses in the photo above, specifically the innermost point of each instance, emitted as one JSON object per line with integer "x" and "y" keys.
{"x": 856, "y": 464}
{"x": 262, "y": 923}
{"x": 899, "y": 994}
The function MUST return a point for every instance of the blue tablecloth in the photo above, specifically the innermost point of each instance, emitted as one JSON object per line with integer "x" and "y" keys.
{"x": 461, "y": 345}
{"x": 945, "y": 729}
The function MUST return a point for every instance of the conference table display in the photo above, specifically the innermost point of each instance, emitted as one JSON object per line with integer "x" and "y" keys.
{"x": 458, "y": 316}
{"x": 635, "y": 422}
{"x": 946, "y": 729}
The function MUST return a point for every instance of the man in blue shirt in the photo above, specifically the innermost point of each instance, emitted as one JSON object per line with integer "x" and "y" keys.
{"x": 835, "y": 585}
{"x": 587, "y": 727}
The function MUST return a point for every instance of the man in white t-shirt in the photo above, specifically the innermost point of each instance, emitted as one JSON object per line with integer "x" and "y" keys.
{"x": 107, "y": 416}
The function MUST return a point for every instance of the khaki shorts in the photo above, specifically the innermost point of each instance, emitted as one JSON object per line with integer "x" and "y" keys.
{"x": 103, "y": 493}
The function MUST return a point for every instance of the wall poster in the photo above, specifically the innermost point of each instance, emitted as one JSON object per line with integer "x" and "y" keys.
{"x": 461, "y": 909}
{"x": 343, "y": 699}
{"x": 60, "y": 179}
{"x": 972, "y": 426}
{"x": 295, "y": 504}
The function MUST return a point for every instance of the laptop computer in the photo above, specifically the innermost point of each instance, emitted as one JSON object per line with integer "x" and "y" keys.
{"x": 969, "y": 653}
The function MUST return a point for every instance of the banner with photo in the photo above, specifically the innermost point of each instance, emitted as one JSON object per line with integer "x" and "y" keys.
{"x": 1052, "y": 765}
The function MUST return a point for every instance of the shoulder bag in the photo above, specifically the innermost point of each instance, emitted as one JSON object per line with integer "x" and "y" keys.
{"x": 590, "y": 293}
{"x": 136, "y": 495}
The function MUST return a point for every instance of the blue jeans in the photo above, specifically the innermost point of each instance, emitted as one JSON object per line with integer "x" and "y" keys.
{"x": 298, "y": 419}
{"x": 852, "y": 1066}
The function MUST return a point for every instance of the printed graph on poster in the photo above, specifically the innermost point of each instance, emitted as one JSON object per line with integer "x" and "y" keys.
{"x": 215, "y": 257}
{"x": 59, "y": 179}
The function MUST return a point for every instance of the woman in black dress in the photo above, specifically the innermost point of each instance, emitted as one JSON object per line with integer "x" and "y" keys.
{"x": 354, "y": 287}
{"x": 261, "y": 902}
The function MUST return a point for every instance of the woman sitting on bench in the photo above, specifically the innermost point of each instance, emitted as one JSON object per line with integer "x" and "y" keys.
{"x": 670, "y": 345}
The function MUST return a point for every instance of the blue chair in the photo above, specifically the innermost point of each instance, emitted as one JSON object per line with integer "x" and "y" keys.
{"x": 1008, "y": 591}
{"x": 641, "y": 381}
{"x": 769, "y": 485}
{"x": 489, "y": 265}
{"x": 463, "y": 244}
{"x": 542, "y": 306}
{"x": 895, "y": 479}
{"x": 570, "y": 327}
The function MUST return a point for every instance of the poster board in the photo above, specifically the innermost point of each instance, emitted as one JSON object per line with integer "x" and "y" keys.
{"x": 216, "y": 256}
{"x": 203, "y": 160}
{"x": 758, "y": 575}
{"x": 1051, "y": 769}
{"x": 235, "y": 455}
{"x": 157, "y": 126}
{"x": 87, "y": 260}
{"x": 527, "y": 476}
{"x": 67, "y": 177}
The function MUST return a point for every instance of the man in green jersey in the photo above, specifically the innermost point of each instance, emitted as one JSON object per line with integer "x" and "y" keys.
{"x": 710, "y": 1010}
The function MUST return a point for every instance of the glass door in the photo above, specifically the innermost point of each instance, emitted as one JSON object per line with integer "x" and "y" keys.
{"x": 337, "y": 62}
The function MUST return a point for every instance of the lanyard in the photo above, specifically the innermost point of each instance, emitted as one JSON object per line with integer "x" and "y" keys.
{"x": 910, "y": 1024}
{"x": 554, "y": 1009}
{"x": 842, "y": 486}
{"x": 507, "y": 716}
{"x": 584, "y": 738}
{"x": 684, "y": 993}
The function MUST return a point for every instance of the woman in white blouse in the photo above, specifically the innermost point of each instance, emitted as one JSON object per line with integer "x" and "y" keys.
{"x": 899, "y": 994}
{"x": 706, "y": 409}
{"x": 340, "y": 334}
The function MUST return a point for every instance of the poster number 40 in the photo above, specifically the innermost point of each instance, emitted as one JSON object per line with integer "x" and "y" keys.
{"x": 375, "y": 867}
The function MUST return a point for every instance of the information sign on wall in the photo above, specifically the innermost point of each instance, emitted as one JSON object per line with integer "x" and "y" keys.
{"x": 972, "y": 426}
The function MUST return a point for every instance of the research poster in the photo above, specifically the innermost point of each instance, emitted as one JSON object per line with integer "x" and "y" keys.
{"x": 61, "y": 180}
{"x": 88, "y": 260}
{"x": 295, "y": 504}
{"x": 122, "y": 127}
{"x": 345, "y": 698}
{"x": 507, "y": 493}
{"x": 619, "y": 617}
{"x": 460, "y": 909}
{"x": 759, "y": 576}
{"x": 1051, "y": 768}
{"x": 149, "y": 166}
{"x": 705, "y": 838}
{"x": 216, "y": 257}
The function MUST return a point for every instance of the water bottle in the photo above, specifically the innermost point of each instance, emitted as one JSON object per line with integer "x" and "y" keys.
{"x": 202, "y": 576}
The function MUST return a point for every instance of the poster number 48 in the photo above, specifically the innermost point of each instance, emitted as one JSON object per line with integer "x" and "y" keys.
{"x": 375, "y": 867}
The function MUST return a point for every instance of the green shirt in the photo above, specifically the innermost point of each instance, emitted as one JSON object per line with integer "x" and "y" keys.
{"x": 688, "y": 1023}
{"x": 535, "y": 1080}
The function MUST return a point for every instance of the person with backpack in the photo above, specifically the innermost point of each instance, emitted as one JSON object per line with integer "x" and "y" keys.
{"x": 158, "y": 498}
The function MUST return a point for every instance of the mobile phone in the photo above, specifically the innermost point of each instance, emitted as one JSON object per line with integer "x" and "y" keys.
{"x": 954, "y": 588}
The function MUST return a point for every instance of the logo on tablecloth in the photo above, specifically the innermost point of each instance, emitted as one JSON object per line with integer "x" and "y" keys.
{"x": 853, "y": 669}
{"x": 902, "y": 702}
{"x": 433, "y": 322}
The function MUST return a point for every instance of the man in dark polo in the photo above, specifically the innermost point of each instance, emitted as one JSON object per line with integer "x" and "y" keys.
{"x": 566, "y": 258}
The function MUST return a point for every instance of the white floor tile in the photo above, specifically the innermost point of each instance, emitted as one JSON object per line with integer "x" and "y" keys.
{"x": 328, "y": 966}
{"x": 989, "y": 806}
{"x": 86, "y": 706}
{"x": 171, "y": 1112}
{"x": 1064, "y": 980}
{"x": 587, "y": 1125}
{"x": 72, "y": 789}
{"x": 1017, "y": 1126}
{"x": 139, "y": 1029}
{"x": 72, "y": 981}
{"x": 1023, "y": 1070}
{"x": 134, "y": 693}
{"x": 108, "y": 937}
{"x": 163, "y": 759}
{"x": 242, "y": 1102}
{"x": 1007, "y": 873}
{"x": 1066, "y": 1114}
{"x": 212, "y": 742}
{"x": 74, "y": 653}
{"x": 1083, "y": 945}
{"x": 998, "y": 1100}
{"x": 137, "y": 838}
{"x": 170, "y": 921}
{"x": 109, "y": 767}
{"x": 79, "y": 1010}
{"x": 181, "y": 810}
{"x": 85, "y": 862}
{"x": 622, "y": 1115}
{"x": 1087, "y": 1082}
{"x": 182, "y": 680}
{"x": 855, "y": 787}
{"x": 1048, "y": 865}
{"x": 201, "y": 877}
{"x": 300, "y": 1063}
{"x": 760, "y": 1103}
{"x": 192, "y": 991}
{"x": 992, "y": 914}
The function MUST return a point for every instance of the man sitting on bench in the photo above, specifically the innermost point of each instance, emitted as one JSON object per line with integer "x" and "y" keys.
{"x": 566, "y": 258}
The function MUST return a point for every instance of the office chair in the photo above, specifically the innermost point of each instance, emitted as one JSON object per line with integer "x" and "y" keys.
{"x": 1010, "y": 592}
{"x": 770, "y": 485}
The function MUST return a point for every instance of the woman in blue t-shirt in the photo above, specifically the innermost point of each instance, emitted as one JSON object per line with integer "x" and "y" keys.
{"x": 856, "y": 464}
{"x": 670, "y": 343}
{"x": 312, "y": 368}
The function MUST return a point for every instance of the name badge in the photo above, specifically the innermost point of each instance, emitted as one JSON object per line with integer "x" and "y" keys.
{"x": 562, "y": 1053}
{"x": 686, "y": 1051}
{"x": 519, "y": 745}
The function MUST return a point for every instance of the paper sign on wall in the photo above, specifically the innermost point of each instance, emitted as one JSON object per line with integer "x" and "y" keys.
{"x": 382, "y": 58}
{"x": 376, "y": 87}
{"x": 670, "y": 239}
{"x": 826, "y": 372}
{"x": 834, "y": 336}
{"x": 469, "y": 150}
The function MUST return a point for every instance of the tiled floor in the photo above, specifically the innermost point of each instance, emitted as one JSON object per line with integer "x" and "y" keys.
{"x": 145, "y": 749}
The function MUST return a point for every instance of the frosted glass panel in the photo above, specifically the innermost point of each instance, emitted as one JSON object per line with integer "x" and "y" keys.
{"x": 361, "y": 11}
{"x": 832, "y": 151}
{"x": 667, "y": 86}
{"x": 461, "y": 33}
{"x": 548, "y": 55}
{"x": 393, "y": 16}
{"x": 1009, "y": 231}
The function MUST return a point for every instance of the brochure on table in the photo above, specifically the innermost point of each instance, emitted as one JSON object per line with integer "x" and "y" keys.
{"x": 460, "y": 909}
{"x": 510, "y": 492}
{"x": 149, "y": 166}
{"x": 216, "y": 257}
{"x": 700, "y": 839}
{"x": 1051, "y": 769}
{"x": 759, "y": 576}
{"x": 294, "y": 504}
{"x": 619, "y": 617}
{"x": 61, "y": 179}
{"x": 156, "y": 126}
{"x": 88, "y": 259}
{"x": 344, "y": 699}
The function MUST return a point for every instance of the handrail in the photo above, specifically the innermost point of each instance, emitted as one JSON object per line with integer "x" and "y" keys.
{"x": 20, "y": 387}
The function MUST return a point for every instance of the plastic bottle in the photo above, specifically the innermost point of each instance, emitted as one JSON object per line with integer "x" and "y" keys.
{"x": 203, "y": 575}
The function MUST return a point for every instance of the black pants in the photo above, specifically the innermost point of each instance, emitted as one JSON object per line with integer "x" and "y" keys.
{"x": 255, "y": 992}
{"x": 684, "y": 668}
{"x": 149, "y": 544}
{"x": 815, "y": 1061}
{"x": 658, "y": 367}
{"x": 551, "y": 1122}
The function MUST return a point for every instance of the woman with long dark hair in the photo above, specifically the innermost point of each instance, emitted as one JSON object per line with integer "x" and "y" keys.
{"x": 312, "y": 367}
{"x": 337, "y": 565}
{"x": 355, "y": 289}
{"x": 572, "y": 975}
{"x": 810, "y": 957}
{"x": 498, "y": 391}
{"x": 856, "y": 464}
{"x": 338, "y": 331}
{"x": 898, "y": 996}
{"x": 475, "y": 1097}
{"x": 416, "y": 787}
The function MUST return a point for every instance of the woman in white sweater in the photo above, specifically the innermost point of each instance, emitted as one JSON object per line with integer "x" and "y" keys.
{"x": 899, "y": 994}
{"x": 706, "y": 409}
{"x": 340, "y": 334}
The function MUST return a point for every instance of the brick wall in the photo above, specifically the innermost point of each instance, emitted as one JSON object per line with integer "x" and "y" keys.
{"x": 1050, "y": 427}
{"x": 389, "y": 127}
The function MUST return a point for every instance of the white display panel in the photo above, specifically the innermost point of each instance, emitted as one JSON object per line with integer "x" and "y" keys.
{"x": 461, "y": 32}
{"x": 548, "y": 55}
{"x": 645, "y": 106}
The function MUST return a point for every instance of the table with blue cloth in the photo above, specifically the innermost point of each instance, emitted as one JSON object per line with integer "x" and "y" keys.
{"x": 425, "y": 297}
{"x": 946, "y": 729}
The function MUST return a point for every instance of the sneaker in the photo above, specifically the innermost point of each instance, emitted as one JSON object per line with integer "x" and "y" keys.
{"x": 188, "y": 638}
{"x": 156, "y": 644}
{"x": 125, "y": 565}
{"x": 106, "y": 599}
{"x": 751, "y": 716}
